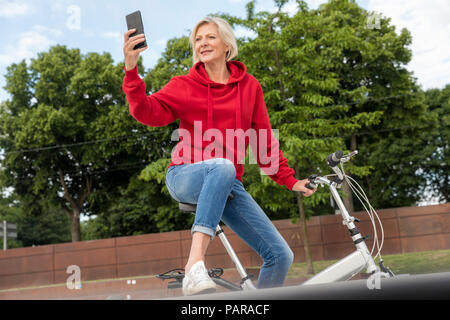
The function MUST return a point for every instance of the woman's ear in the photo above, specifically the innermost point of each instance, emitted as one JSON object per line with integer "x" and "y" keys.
{"x": 228, "y": 51}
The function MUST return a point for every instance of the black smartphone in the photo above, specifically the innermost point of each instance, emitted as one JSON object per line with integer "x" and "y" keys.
{"x": 134, "y": 21}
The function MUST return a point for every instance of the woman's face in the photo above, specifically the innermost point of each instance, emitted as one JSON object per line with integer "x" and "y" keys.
{"x": 208, "y": 44}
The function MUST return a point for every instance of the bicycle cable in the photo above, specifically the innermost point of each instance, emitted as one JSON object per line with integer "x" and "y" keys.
{"x": 371, "y": 212}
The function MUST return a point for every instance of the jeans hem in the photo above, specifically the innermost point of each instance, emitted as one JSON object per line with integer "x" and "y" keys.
{"x": 203, "y": 229}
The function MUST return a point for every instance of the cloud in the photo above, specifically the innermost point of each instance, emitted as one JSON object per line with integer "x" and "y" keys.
{"x": 161, "y": 42}
{"x": 114, "y": 35}
{"x": 11, "y": 9}
{"x": 429, "y": 24}
{"x": 240, "y": 32}
{"x": 46, "y": 30}
{"x": 291, "y": 8}
{"x": 28, "y": 44}
{"x": 314, "y": 4}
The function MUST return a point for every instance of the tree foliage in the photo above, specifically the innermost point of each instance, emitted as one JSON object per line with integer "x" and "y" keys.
{"x": 435, "y": 146}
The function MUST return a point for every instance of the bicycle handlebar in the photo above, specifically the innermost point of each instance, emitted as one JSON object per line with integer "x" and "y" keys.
{"x": 332, "y": 160}
{"x": 335, "y": 158}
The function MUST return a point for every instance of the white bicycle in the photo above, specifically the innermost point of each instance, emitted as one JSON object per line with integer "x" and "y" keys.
{"x": 342, "y": 270}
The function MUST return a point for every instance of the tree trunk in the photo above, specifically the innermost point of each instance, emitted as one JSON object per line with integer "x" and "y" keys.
{"x": 308, "y": 258}
{"x": 277, "y": 63}
{"x": 309, "y": 263}
{"x": 347, "y": 197}
{"x": 74, "y": 213}
{"x": 75, "y": 230}
{"x": 74, "y": 220}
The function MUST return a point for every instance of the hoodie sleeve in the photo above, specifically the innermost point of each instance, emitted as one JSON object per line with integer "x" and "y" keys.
{"x": 156, "y": 110}
{"x": 269, "y": 156}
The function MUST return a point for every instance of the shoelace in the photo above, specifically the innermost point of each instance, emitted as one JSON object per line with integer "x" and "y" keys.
{"x": 199, "y": 274}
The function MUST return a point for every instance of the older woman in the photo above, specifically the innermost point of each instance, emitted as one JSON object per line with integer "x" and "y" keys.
{"x": 219, "y": 102}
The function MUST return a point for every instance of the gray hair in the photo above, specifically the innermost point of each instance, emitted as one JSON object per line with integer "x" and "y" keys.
{"x": 225, "y": 33}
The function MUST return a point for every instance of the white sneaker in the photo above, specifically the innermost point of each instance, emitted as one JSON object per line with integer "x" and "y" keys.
{"x": 197, "y": 280}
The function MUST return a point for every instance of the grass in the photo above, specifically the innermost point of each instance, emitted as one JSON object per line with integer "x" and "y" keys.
{"x": 406, "y": 263}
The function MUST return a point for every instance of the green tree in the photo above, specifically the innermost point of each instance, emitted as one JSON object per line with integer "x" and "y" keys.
{"x": 42, "y": 221}
{"x": 435, "y": 145}
{"x": 37, "y": 222}
{"x": 10, "y": 213}
{"x": 376, "y": 96}
{"x": 50, "y": 129}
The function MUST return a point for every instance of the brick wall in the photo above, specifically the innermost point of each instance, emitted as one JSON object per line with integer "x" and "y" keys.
{"x": 406, "y": 229}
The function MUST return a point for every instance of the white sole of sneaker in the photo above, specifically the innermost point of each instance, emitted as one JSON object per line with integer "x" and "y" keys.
{"x": 201, "y": 289}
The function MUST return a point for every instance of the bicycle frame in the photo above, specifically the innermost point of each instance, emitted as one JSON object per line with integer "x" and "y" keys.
{"x": 355, "y": 262}
{"x": 246, "y": 282}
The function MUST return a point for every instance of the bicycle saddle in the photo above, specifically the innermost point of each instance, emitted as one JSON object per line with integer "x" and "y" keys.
{"x": 192, "y": 207}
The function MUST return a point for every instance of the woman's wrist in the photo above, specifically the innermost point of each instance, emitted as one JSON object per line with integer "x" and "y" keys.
{"x": 129, "y": 68}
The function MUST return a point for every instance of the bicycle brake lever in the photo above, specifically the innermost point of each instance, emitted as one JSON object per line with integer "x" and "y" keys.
{"x": 348, "y": 156}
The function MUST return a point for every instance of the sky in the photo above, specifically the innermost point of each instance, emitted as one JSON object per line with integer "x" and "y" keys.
{"x": 33, "y": 26}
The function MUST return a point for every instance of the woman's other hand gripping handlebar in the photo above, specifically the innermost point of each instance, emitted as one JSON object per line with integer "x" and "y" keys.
{"x": 304, "y": 187}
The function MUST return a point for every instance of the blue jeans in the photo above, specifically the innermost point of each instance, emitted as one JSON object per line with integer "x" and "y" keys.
{"x": 208, "y": 184}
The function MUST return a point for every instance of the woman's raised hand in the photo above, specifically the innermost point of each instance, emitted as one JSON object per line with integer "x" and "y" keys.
{"x": 132, "y": 56}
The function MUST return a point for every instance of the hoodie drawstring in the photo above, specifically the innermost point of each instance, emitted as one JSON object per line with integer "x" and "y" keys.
{"x": 210, "y": 109}
{"x": 239, "y": 133}
{"x": 238, "y": 108}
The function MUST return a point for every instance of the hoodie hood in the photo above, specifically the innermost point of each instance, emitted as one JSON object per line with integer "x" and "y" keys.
{"x": 198, "y": 73}
{"x": 238, "y": 72}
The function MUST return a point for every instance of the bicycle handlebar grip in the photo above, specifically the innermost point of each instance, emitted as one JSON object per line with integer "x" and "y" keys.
{"x": 311, "y": 185}
{"x": 335, "y": 158}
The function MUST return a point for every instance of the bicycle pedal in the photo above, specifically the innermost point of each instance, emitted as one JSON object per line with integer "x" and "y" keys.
{"x": 177, "y": 274}
{"x": 215, "y": 272}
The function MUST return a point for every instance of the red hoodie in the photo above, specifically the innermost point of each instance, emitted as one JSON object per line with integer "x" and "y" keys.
{"x": 227, "y": 112}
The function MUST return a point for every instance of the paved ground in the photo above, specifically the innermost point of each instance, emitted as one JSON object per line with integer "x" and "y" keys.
{"x": 434, "y": 286}
{"x": 138, "y": 288}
